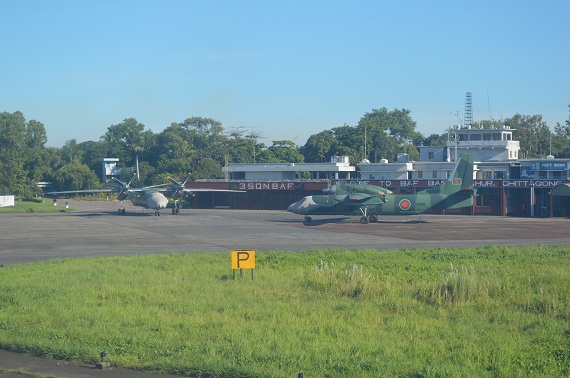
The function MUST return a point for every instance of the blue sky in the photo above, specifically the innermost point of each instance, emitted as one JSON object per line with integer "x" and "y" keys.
{"x": 282, "y": 68}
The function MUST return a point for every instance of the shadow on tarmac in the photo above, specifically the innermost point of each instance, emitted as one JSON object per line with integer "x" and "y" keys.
{"x": 347, "y": 220}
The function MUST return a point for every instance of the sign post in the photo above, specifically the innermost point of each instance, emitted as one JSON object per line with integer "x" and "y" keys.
{"x": 243, "y": 259}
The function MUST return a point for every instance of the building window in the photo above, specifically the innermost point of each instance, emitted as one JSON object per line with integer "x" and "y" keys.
{"x": 488, "y": 174}
{"x": 420, "y": 174}
{"x": 434, "y": 174}
{"x": 543, "y": 174}
{"x": 431, "y": 155}
{"x": 499, "y": 175}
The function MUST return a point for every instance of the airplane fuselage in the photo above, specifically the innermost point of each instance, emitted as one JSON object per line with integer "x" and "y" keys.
{"x": 396, "y": 204}
{"x": 149, "y": 199}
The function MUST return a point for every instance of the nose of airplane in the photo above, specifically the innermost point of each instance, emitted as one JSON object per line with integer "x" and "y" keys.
{"x": 303, "y": 206}
{"x": 157, "y": 201}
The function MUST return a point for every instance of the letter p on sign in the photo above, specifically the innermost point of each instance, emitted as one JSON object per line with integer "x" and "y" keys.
{"x": 243, "y": 259}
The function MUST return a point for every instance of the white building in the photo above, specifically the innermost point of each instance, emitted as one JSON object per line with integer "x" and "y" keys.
{"x": 483, "y": 144}
{"x": 6, "y": 201}
{"x": 417, "y": 170}
{"x": 338, "y": 168}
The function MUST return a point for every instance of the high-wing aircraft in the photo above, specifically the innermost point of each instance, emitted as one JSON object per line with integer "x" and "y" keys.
{"x": 370, "y": 201}
{"x": 149, "y": 197}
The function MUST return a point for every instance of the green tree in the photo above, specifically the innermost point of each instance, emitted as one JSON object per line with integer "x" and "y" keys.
{"x": 21, "y": 156}
{"x": 319, "y": 146}
{"x": 387, "y": 132}
{"x": 561, "y": 139}
{"x": 71, "y": 152}
{"x": 533, "y": 134}
{"x": 207, "y": 136}
{"x": 125, "y": 140}
{"x": 37, "y": 157}
{"x": 435, "y": 140}
{"x": 182, "y": 147}
{"x": 53, "y": 160}
{"x": 282, "y": 151}
{"x": 92, "y": 154}
{"x": 242, "y": 147}
{"x": 174, "y": 151}
{"x": 75, "y": 176}
{"x": 207, "y": 168}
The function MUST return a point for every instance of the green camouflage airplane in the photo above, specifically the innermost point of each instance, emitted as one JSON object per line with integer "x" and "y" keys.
{"x": 370, "y": 201}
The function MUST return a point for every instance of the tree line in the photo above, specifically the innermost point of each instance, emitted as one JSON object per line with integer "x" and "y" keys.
{"x": 202, "y": 146}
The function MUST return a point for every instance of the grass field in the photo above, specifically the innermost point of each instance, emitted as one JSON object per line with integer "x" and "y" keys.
{"x": 35, "y": 207}
{"x": 494, "y": 311}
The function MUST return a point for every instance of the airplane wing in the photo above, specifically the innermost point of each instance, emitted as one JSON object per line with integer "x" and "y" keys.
{"x": 179, "y": 189}
{"x": 157, "y": 186}
{"x": 213, "y": 190}
{"x": 86, "y": 191}
{"x": 359, "y": 199}
{"x": 190, "y": 191}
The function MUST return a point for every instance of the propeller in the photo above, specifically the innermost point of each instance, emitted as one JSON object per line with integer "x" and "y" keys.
{"x": 125, "y": 187}
{"x": 180, "y": 187}
{"x": 330, "y": 189}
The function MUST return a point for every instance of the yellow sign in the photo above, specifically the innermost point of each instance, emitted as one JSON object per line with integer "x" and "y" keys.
{"x": 243, "y": 259}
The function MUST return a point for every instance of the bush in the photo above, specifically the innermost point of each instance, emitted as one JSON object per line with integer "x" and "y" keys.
{"x": 32, "y": 199}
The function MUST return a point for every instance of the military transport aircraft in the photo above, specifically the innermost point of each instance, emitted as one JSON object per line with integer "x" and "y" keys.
{"x": 369, "y": 201}
{"x": 149, "y": 197}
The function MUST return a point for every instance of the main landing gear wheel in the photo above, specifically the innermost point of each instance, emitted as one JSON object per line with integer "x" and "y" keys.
{"x": 307, "y": 220}
{"x": 175, "y": 209}
{"x": 365, "y": 219}
{"x": 121, "y": 211}
{"x": 373, "y": 219}
{"x": 157, "y": 213}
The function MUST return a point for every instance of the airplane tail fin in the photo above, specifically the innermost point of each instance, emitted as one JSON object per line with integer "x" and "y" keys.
{"x": 138, "y": 173}
{"x": 462, "y": 176}
{"x": 458, "y": 191}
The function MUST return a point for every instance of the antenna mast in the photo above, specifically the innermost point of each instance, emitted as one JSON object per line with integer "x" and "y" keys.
{"x": 365, "y": 131}
{"x": 468, "y": 110}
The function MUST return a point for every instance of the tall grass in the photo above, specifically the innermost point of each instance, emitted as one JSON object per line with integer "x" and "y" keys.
{"x": 494, "y": 311}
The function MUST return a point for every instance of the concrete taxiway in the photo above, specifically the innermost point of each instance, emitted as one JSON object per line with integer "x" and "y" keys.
{"x": 95, "y": 229}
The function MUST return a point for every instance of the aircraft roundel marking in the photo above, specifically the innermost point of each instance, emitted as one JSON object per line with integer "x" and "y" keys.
{"x": 405, "y": 204}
